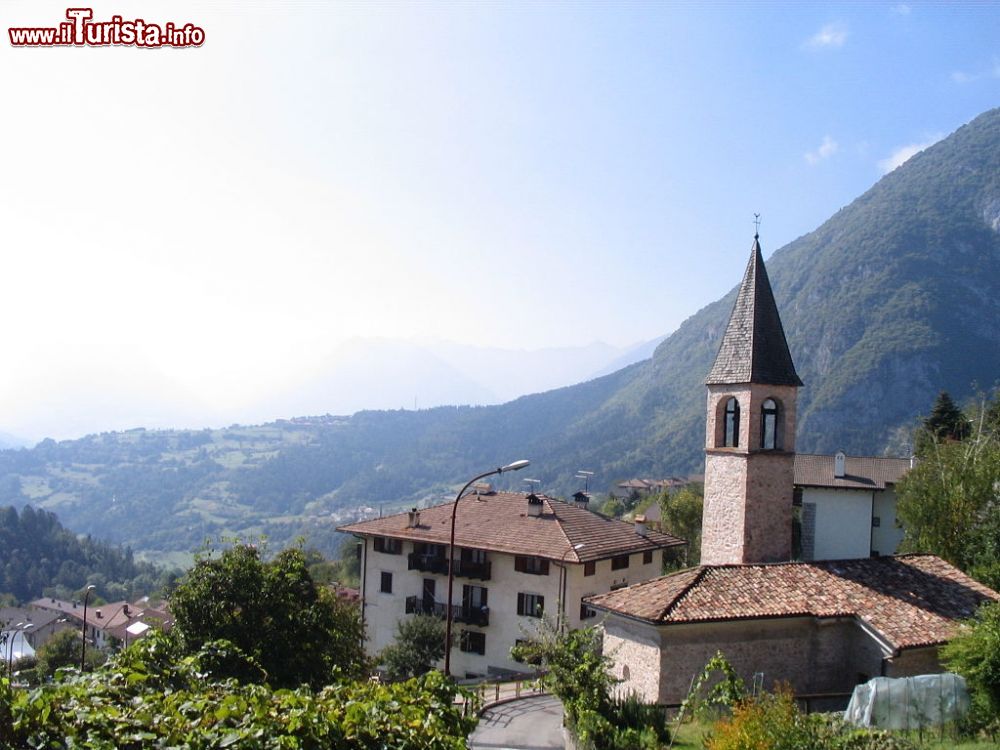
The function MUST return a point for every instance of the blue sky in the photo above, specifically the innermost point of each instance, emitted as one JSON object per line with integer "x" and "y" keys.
{"x": 208, "y": 223}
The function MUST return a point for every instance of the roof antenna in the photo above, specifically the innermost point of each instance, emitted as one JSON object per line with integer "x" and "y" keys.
{"x": 756, "y": 226}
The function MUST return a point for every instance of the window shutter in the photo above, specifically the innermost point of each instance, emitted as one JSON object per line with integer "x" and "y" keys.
{"x": 520, "y": 604}
{"x": 545, "y": 567}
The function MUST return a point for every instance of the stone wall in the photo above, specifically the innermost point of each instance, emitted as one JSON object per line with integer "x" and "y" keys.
{"x": 812, "y": 655}
{"x": 748, "y": 492}
{"x": 914, "y": 661}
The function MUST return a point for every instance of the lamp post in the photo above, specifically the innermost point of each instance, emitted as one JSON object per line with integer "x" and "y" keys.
{"x": 18, "y": 630}
{"x": 83, "y": 645}
{"x": 10, "y": 649}
{"x": 515, "y": 466}
{"x": 562, "y": 591}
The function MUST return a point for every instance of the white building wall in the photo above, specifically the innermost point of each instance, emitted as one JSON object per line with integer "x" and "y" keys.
{"x": 843, "y": 525}
{"x": 383, "y": 611}
{"x": 887, "y": 536}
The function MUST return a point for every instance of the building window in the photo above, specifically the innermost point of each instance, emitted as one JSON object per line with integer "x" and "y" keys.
{"x": 477, "y": 556}
{"x": 647, "y": 557}
{"x": 388, "y": 546}
{"x": 386, "y": 583}
{"x": 538, "y": 566}
{"x": 769, "y": 425}
{"x": 731, "y": 437}
{"x": 530, "y": 605}
{"x": 619, "y": 562}
{"x": 473, "y": 598}
{"x": 589, "y": 568}
{"x": 586, "y": 612}
{"x": 473, "y": 642}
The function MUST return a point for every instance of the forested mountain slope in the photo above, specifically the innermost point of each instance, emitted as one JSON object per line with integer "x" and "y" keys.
{"x": 894, "y": 298}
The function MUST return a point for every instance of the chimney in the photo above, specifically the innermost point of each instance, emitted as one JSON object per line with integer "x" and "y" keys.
{"x": 534, "y": 505}
{"x": 413, "y": 520}
{"x": 581, "y": 499}
{"x": 125, "y": 610}
{"x": 640, "y": 525}
{"x": 839, "y": 462}
{"x": 99, "y": 615}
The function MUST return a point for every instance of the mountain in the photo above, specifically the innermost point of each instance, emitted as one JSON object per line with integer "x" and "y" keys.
{"x": 894, "y": 298}
{"x": 390, "y": 374}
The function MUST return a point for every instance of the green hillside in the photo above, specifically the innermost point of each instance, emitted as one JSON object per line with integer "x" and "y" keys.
{"x": 894, "y": 298}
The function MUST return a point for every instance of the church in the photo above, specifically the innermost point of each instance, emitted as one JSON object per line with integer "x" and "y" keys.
{"x": 820, "y": 626}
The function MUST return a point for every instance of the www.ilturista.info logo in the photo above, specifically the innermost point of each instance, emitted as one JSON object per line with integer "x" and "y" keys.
{"x": 82, "y": 31}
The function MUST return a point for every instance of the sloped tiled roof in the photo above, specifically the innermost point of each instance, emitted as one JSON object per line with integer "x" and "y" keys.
{"x": 912, "y": 600}
{"x": 860, "y": 472}
{"x": 753, "y": 348}
{"x": 500, "y": 522}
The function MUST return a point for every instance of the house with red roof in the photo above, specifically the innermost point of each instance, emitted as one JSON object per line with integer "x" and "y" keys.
{"x": 516, "y": 558}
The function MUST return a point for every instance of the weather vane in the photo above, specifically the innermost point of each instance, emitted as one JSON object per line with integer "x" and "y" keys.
{"x": 756, "y": 225}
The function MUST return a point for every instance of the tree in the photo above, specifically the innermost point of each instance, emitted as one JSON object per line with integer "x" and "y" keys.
{"x": 298, "y": 632}
{"x": 975, "y": 654}
{"x": 949, "y": 507}
{"x": 680, "y": 514}
{"x": 419, "y": 644}
{"x": 946, "y": 421}
{"x": 63, "y": 650}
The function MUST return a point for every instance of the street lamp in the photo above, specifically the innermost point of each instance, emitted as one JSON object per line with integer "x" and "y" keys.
{"x": 83, "y": 646}
{"x": 562, "y": 592}
{"x": 18, "y": 630}
{"x": 12, "y": 634}
{"x": 516, "y": 466}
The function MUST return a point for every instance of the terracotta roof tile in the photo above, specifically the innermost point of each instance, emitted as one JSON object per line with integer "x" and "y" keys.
{"x": 860, "y": 472}
{"x": 912, "y": 600}
{"x": 500, "y": 522}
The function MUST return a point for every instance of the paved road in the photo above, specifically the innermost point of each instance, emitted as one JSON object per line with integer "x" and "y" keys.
{"x": 533, "y": 723}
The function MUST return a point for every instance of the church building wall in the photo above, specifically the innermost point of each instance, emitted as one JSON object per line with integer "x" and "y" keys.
{"x": 812, "y": 655}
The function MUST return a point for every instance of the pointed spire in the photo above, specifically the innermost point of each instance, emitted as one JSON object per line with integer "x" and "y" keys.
{"x": 754, "y": 349}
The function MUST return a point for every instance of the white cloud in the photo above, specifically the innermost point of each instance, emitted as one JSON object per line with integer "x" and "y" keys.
{"x": 902, "y": 9}
{"x": 826, "y": 149}
{"x": 903, "y": 153}
{"x": 831, "y": 36}
{"x": 993, "y": 71}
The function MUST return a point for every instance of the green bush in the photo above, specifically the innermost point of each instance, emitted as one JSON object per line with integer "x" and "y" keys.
{"x": 773, "y": 721}
{"x": 152, "y": 696}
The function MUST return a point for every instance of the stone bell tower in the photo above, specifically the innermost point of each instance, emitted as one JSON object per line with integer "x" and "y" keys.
{"x": 750, "y": 432}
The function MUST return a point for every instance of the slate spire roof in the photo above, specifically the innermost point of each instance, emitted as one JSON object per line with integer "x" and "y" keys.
{"x": 754, "y": 349}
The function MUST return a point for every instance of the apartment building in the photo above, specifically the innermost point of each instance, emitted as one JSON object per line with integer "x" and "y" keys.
{"x": 517, "y": 558}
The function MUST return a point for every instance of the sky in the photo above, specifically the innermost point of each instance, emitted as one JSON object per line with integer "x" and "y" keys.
{"x": 188, "y": 230}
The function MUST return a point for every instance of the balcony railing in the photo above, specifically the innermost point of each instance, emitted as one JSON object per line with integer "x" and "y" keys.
{"x": 463, "y": 568}
{"x": 480, "y": 616}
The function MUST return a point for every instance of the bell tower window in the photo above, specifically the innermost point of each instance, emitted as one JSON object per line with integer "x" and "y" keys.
{"x": 731, "y": 436}
{"x": 769, "y": 425}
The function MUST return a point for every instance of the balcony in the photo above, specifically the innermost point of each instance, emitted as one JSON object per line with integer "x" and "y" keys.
{"x": 479, "y": 616}
{"x": 481, "y": 571}
{"x": 428, "y": 563}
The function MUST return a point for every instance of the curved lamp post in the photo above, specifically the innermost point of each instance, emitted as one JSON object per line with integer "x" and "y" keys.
{"x": 516, "y": 466}
{"x": 12, "y": 636}
{"x": 83, "y": 645}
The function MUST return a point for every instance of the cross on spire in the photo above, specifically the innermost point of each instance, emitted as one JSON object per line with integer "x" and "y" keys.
{"x": 756, "y": 226}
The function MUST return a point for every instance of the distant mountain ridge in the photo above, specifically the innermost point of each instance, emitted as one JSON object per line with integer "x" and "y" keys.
{"x": 894, "y": 298}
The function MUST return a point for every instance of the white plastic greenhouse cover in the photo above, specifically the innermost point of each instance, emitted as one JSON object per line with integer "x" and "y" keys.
{"x": 908, "y": 702}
